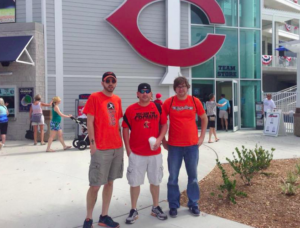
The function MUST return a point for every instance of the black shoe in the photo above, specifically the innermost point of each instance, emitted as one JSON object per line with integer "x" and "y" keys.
{"x": 194, "y": 210}
{"x": 88, "y": 223}
{"x": 106, "y": 221}
{"x": 173, "y": 212}
{"x": 133, "y": 215}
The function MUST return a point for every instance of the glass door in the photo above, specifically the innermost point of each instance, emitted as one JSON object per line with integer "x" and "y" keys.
{"x": 235, "y": 107}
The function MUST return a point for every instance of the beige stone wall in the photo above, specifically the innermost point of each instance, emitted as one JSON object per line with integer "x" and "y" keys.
{"x": 24, "y": 75}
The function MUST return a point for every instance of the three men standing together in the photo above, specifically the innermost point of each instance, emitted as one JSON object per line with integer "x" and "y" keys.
{"x": 142, "y": 120}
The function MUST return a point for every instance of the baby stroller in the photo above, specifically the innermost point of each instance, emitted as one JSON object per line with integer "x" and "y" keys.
{"x": 82, "y": 141}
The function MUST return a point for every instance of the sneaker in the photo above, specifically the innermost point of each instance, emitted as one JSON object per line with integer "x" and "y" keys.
{"x": 106, "y": 221}
{"x": 158, "y": 213}
{"x": 194, "y": 210}
{"x": 173, "y": 212}
{"x": 133, "y": 215}
{"x": 88, "y": 223}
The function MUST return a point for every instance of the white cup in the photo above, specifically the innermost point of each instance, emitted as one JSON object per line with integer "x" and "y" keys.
{"x": 152, "y": 141}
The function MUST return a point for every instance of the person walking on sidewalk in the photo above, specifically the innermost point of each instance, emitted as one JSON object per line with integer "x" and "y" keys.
{"x": 104, "y": 110}
{"x": 144, "y": 119}
{"x": 224, "y": 111}
{"x": 3, "y": 122}
{"x": 55, "y": 125}
{"x": 211, "y": 114}
{"x": 269, "y": 104}
{"x": 184, "y": 144}
{"x": 37, "y": 118}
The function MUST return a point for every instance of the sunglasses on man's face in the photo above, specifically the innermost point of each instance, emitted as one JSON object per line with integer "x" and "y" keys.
{"x": 142, "y": 91}
{"x": 110, "y": 80}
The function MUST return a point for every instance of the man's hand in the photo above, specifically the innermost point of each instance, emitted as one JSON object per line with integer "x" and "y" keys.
{"x": 165, "y": 144}
{"x": 200, "y": 141}
{"x": 157, "y": 144}
{"x": 93, "y": 146}
{"x": 128, "y": 151}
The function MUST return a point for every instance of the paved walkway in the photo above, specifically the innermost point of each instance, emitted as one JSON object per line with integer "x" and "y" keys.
{"x": 41, "y": 190}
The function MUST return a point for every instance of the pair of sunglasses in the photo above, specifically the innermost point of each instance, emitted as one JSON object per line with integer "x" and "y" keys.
{"x": 142, "y": 91}
{"x": 110, "y": 80}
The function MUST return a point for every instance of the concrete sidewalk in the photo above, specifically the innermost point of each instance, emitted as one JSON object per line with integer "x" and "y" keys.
{"x": 41, "y": 189}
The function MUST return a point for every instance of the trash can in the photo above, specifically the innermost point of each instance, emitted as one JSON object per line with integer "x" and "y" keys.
{"x": 297, "y": 122}
{"x": 47, "y": 115}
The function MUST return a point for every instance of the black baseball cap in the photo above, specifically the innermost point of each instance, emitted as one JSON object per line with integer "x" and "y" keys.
{"x": 144, "y": 86}
{"x": 108, "y": 74}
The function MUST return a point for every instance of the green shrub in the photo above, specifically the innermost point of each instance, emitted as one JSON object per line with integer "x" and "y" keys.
{"x": 263, "y": 158}
{"x": 291, "y": 178}
{"x": 289, "y": 189}
{"x": 298, "y": 169}
{"x": 229, "y": 186}
{"x": 247, "y": 162}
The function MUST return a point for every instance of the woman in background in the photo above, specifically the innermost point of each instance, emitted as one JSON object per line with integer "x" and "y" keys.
{"x": 55, "y": 125}
{"x": 3, "y": 121}
{"x": 36, "y": 113}
{"x": 211, "y": 114}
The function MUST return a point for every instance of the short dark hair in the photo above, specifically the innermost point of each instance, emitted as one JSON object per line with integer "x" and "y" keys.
{"x": 211, "y": 96}
{"x": 222, "y": 95}
{"x": 181, "y": 81}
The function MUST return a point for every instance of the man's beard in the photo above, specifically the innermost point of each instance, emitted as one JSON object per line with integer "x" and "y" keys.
{"x": 109, "y": 89}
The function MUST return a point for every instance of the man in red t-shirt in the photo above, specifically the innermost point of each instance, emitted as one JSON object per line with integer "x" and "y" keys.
{"x": 104, "y": 110}
{"x": 183, "y": 143}
{"x": 144, "y": 120}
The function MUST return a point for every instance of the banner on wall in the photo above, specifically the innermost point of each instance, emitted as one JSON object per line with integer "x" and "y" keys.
{"x": 7, "y": 11}
{"x": 25, "y": 99}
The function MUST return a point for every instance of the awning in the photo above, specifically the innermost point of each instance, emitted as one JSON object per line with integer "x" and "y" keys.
{"x": 281, "y": 49}
{"x": 13, "y": 47}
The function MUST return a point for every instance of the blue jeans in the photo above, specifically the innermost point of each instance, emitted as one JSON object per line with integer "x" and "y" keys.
{"x": 190, "y": 155}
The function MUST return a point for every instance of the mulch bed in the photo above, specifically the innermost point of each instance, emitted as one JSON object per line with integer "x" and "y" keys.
{"x": 264, "y": 207}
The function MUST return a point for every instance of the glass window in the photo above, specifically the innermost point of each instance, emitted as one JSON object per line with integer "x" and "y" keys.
{"x": 201, "y": 89}
{"x": 250, "y": 54}
{"x": 249, "y": 12}
{"x": 205, "y": 70}
{"x": 229, "y": 8}
{"x": 198, "y": 16}
{"x": 250, "y": 93}
{"x": 227, "y": 57}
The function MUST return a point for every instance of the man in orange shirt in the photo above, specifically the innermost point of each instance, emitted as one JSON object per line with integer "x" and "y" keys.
{"x": 144, "y": 119}
{"x": 103, "y": 110}
{"x": 184, "y": 143}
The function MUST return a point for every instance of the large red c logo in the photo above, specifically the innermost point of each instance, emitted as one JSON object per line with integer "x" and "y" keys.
{"x": 125, "y": 20}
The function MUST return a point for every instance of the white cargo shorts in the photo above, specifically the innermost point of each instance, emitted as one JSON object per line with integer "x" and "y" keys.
{"x": 140, "y": 165}
{"x": 223, "y": 114}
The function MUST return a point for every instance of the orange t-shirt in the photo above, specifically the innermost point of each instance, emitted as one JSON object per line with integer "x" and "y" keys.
{"x": 183, "y": 129}
{"x": 144, "y": 123}
{"x": 107, "y": 111}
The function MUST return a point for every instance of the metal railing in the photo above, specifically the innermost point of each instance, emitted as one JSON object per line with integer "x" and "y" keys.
{"x": 281, "y": 61}
{"x": 290, "y": 89}
{"x": 286, "y": 101}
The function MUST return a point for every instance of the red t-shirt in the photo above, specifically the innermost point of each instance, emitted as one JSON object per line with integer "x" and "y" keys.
{"x": 183, "y": 129}
{"x": 158, "y": 102}
{"x": 144, "y": 123}
{"x": 107, "y": 111}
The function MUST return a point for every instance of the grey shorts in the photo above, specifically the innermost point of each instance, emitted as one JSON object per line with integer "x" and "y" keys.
{"x": 223, "y": 114}
{"x": 42, "y": 122}
{"x": 106, "y": 165}
{"x": 140, "y": 165}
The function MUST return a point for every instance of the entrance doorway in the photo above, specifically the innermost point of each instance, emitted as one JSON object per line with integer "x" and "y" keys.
{"x": 230, "y": 90}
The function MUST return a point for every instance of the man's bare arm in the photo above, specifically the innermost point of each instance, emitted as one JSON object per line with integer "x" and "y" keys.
{"x": 91, "y": 132}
